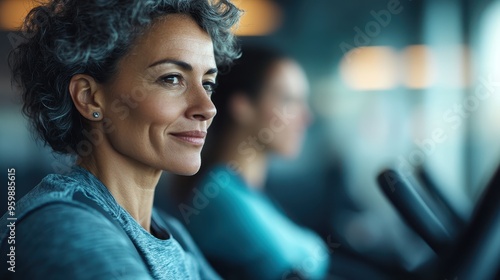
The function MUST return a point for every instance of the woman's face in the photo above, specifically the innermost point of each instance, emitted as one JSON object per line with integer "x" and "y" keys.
{"x": 283, "y": 109}
{"x": 158, "y": 105}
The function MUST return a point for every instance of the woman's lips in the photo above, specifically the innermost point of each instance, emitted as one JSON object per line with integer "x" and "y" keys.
{"x": 194, "y": 137}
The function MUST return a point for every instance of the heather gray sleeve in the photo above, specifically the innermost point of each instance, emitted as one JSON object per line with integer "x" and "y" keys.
{"x": 63, "y": 241}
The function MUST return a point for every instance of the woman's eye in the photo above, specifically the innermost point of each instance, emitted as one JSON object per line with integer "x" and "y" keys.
{"x": 171, "y": 79}
{"x": 209, "y": 87}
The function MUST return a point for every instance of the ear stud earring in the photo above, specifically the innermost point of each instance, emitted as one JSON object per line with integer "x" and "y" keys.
{"x": 96, "y": 115}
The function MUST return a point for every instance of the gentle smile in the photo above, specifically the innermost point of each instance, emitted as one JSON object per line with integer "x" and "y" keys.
{"x": 192, "y": 137}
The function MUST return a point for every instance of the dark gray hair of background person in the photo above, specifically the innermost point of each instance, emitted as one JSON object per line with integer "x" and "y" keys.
{"x": 60, "y": 44}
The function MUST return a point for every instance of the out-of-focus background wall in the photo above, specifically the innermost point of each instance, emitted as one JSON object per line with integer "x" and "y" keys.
{"x": 401, "y": 83}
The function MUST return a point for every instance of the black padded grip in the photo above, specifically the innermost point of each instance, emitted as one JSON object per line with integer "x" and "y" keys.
{"x": 415, "y": 210}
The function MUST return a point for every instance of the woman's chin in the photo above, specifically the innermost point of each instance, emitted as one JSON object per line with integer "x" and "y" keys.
{"x": 186, "y": 170}
{"x": 189, "y": 173}
{"x": 184, "y": 164}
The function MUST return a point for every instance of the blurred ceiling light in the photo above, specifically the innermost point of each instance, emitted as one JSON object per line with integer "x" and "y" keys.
{"x": 261, "y": 17}
{"x": 370, "y": 68}
{"x": 417, "y": 67}
{"x": 417, "y": 61}
{"x": 13, "y": 12}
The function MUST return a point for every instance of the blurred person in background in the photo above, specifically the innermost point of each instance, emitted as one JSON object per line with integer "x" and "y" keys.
{"x": 262, "y": 110}
{"x": 125, "y": 86}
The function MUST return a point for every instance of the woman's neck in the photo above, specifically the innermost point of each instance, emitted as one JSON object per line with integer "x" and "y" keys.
{"x": 132, "y": 185}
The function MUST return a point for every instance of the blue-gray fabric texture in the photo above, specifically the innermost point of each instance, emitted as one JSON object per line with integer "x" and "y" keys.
{"x": 59, "y": 237}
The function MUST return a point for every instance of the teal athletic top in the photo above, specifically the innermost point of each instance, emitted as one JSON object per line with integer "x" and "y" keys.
{"x": 244, "y": 236}
{"x": 71, "y": 227}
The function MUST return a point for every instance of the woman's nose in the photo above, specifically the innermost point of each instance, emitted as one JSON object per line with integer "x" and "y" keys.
{"x": 200, "y": 106}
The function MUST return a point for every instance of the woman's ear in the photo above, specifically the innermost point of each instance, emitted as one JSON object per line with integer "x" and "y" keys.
{"x": 242, "y": 109}
{"x": 85, "y": 94}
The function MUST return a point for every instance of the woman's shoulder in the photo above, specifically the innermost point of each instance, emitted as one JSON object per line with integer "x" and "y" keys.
{"x": 67, "y": 218}
{"x": 51, "y": 210}
{"x": 72, "y": 239}
{"x": 56, "y": 193}
{"x": 60, "y": 229}
{"x": 53, "y": 187}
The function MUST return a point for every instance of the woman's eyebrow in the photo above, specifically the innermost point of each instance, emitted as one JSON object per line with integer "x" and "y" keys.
{"x": 184, "y": 65}
{"x": 212, "y": 71}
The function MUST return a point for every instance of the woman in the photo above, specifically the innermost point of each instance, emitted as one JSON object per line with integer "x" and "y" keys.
{"x": 262, "y": 109}
{"x": 126, "y": 86}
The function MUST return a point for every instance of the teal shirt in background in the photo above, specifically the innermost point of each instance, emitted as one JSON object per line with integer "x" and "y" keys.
{"x": 245, "y": 236}
{"x": 57, "y": 236}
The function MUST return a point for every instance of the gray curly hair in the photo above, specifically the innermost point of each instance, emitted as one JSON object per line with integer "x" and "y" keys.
{"x": 69, "y": 37}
